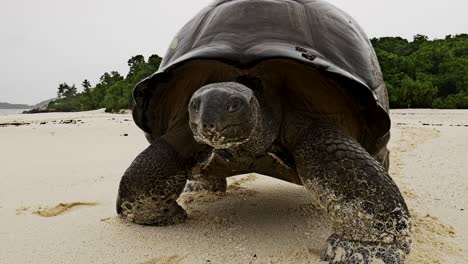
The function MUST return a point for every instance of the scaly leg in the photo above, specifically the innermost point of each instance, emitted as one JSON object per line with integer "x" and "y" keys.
{"x": 149, "y": 188}
{"x": 371, "y": 220}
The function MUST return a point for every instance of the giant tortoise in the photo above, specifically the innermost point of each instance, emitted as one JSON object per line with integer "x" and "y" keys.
{"x": 291, "y": 89}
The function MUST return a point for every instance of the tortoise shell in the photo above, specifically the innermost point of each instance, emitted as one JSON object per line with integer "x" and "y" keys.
{"x": 237, "y": 34}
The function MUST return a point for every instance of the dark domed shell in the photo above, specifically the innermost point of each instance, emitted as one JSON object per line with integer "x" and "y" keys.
{"x": 244, "y": 32}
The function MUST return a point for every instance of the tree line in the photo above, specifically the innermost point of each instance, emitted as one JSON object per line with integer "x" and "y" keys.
{"x": 421, "y": 73}
{"x": 113, "y": 92}
{"x": 425, "y": 73}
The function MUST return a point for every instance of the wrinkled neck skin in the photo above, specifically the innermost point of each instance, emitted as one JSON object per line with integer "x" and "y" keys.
{"x": 262, "y": 137}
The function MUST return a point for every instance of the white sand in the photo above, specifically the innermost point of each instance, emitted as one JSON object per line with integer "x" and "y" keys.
{"x": 259, "y": 220}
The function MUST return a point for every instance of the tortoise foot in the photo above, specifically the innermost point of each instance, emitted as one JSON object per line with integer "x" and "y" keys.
{"x": 340, "y": 251}
{"x": 157, "y": 214}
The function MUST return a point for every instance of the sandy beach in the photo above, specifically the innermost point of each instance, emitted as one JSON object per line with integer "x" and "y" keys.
{"x": 59, "y": 174}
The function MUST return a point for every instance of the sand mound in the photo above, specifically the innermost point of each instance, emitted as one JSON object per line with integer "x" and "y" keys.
{"x": 431, "y": 240}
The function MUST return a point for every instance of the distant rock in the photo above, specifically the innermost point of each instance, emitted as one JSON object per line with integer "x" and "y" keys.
{"x": 14, "y": 106}
{"x": 37, "y": 108}
{"x": 43, "y": 104}
{"x": 40, "y": 107}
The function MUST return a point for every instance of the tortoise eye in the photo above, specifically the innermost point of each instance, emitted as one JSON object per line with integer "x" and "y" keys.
{"x": 234, "y": 105}
{"x": 195, "y": 106}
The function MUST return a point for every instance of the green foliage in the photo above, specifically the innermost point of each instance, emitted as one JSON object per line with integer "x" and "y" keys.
{"x": 118, "y": 96}
{"x": 425, "y": 73}
{"x": 86, "y": 86}
{"x": 65, "y": 90}
{"x": 66, "y": 104}
{"x": 113, "y": 92}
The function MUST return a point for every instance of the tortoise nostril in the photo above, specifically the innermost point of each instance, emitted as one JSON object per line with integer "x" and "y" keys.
{"x": 208, "y": 127}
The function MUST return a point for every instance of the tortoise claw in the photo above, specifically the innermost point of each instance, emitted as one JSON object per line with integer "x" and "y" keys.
{"x": 340, "y": 251}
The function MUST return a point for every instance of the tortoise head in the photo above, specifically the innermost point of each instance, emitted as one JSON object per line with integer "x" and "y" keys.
{"x": 223, "y": 115}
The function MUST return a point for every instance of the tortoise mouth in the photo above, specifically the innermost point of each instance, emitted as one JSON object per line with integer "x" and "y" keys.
{"x": 229, "y": 136}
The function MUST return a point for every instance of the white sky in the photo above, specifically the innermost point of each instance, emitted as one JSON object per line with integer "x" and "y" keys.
{"x": 46, "y": 42}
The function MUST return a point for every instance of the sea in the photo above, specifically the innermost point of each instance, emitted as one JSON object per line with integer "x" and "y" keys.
{"x": 12, "y": 111}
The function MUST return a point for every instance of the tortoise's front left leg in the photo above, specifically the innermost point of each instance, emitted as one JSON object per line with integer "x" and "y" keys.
{"x": 150, "y": 186}
{"x": 371, "y": 220}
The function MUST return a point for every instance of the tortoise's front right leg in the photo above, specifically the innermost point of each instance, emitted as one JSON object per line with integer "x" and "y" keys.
{"x": 150, "y": 186}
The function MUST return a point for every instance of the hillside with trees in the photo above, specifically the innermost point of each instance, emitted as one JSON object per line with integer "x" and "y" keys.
{"x": 421, "y": 73}
{"x": 425, "y": 73}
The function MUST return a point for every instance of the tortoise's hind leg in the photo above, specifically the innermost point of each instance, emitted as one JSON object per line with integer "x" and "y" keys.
{"x": 149, "y": 188}
{"x": 210, "y": 173}
{"x": 210, "y": 184}
{"x": 370, "y": 217}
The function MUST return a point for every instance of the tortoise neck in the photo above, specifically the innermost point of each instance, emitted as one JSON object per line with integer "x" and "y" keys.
{"x": 262, "y": 136}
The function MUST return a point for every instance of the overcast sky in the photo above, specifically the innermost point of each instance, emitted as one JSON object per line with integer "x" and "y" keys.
{"x": 46, "y": 42}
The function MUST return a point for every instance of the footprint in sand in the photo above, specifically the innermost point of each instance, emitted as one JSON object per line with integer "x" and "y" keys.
{"x": 165, "y": 260}
{"x": 21, "y": 210}
{"x": 59, "y": 209}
